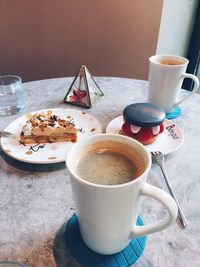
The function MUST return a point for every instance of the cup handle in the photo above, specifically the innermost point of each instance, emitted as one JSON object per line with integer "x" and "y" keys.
{"x": 167, "y": 201}
{"x": 196, "y": 86}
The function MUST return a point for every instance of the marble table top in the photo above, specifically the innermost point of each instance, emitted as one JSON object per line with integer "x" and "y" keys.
{"x": 36, "y": 203}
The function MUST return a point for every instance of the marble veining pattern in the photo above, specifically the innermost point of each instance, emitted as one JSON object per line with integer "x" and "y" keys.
{"x": 35, "y": 206}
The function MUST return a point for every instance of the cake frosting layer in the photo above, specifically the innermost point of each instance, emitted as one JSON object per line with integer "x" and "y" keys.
{"x": 47, "y": 127}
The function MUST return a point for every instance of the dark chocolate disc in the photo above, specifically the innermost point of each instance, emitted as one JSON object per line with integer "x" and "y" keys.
{"x": 144, "y": 114}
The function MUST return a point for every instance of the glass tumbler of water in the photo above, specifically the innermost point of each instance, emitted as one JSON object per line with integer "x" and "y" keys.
{"x": 11, "y": 95}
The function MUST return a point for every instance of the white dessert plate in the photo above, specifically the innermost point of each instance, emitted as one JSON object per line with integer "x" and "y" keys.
{"x": 169, "y": 141}
{"x": 50, "y": 152}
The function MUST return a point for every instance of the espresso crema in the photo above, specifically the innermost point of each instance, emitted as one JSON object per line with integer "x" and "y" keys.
{"x": 110, "y": 164}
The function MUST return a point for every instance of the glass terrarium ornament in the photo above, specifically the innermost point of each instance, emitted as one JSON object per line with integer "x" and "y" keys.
{"x": 84, "y": 91}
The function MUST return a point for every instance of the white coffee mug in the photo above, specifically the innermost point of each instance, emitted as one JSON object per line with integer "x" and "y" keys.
{"x": 166, "y": 75}
{"x": 107, "y": 214}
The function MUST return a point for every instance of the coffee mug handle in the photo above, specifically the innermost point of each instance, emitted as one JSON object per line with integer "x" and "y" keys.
{"x": 196, "y": 86}
{"x": 167, "y": 201}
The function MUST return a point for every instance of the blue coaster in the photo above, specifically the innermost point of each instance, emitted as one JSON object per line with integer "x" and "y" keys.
{"x": 88, "y": 258}
{"x": 174, "y": 113}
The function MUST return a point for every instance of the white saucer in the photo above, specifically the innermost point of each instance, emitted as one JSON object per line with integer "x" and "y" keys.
{"x": 169, "y": 141}
{"x": 48, "y": 153}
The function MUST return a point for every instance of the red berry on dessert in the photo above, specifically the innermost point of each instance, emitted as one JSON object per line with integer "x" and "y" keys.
{"x": 143, "y": 122}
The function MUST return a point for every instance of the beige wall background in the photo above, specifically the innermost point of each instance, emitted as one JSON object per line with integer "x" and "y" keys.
{"x": 43, "y": 39}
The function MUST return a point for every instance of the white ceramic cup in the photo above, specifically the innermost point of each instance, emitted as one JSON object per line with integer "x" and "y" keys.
{"x": 107, "y": 214}
{"x": 166, "y": 75}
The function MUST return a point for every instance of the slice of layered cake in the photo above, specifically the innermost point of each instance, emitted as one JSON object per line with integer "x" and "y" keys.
{"x": 46, "y": 127}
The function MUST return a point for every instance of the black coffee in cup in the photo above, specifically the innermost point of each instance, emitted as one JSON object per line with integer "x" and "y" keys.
{"x": 169, "y": 61}
{"x": 110, "y": 163}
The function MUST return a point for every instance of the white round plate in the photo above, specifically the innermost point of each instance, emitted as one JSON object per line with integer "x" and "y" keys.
{"x": 49, "y": 152}
{"x": 169, "y": 141}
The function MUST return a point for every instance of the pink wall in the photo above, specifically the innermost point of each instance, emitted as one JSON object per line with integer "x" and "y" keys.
{"x": 52, "y": 38}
